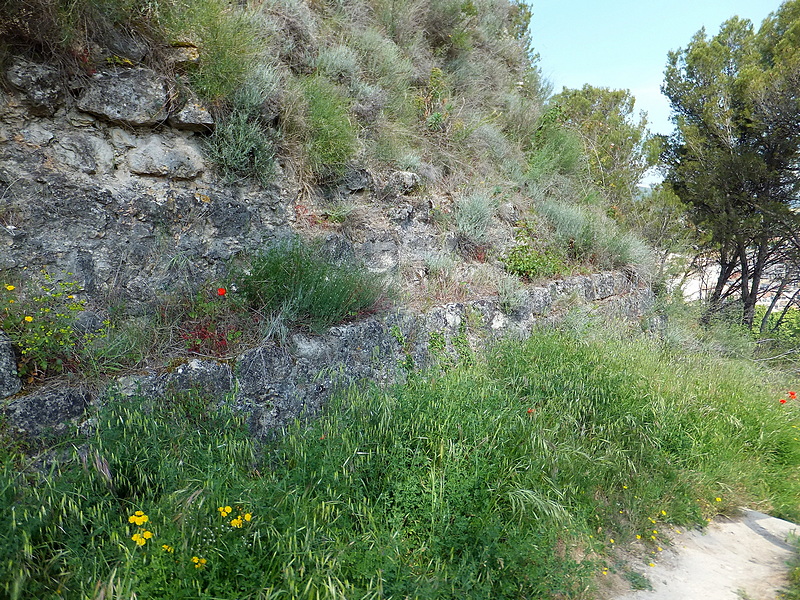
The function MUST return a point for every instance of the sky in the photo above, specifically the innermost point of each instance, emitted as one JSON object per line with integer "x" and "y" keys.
{"x": 623, "y": 44}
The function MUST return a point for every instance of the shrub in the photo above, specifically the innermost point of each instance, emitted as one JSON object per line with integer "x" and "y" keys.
{"x": 330, "y": 137}
{"x": 230, "y": 45}
{"x": 530, "y": 263}
{"x": 338, "y": 63}
{"x": 473, "y": 216}
{"x": 588, "y": 235}
{"x": 510, "y": 292}
{"x": 45, "y": 327}
{"x": 293, "y": 279}
{"x": 241, "y": 148}
{"x": 555, "y": 151}
{"x": 382, "y": 60}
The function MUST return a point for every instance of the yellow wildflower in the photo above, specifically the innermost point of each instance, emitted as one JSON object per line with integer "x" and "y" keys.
{"x": 139, "y": 539}
{"x": 199, "y": 563}
{"x": 10, "y": 288}
{"x": 147, "y": 534}
{"x": 237, "y": 522}
{"x": 28, "y": 318}
{"x": 138, "y": 518}
{"x": 167, "y": 548}
{"x": 248, "y": 516}
{"x": 224, "y": 510}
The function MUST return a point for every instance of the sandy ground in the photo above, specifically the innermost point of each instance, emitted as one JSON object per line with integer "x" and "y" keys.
{"x": 743, "y": 558}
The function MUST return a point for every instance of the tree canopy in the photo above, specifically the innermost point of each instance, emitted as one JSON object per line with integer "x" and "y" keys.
{"x": 617, "y": 145}
{"x": 735, "y": 157}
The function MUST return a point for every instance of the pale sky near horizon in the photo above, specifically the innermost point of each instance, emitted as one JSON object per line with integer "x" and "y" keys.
{"x": 623, "y": 44}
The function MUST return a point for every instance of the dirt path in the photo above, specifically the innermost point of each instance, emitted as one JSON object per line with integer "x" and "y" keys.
{"x": 744, "y": 558}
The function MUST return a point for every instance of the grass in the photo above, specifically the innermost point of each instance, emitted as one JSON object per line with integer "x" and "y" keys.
{"x": 294, "y": 280}
{"x": 507, "y": 478}
{"x": 473, "y": 218}
{"x": 331, "y": 137}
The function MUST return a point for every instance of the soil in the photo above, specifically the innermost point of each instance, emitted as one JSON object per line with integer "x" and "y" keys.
{"x": 741, "y": 558}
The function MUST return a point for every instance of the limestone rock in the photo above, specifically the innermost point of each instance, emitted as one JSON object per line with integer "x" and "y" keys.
{"x": 40, "y": 83}
{"x": 192, "y": 116}
{"x": 182, "y": 55}
{"x": 84, "y": 152}
{"x": 161, "y": 157}
{"x": 400, "y": 183}
{"x": 47, "y": 410}
{"x": 10, "y": 382}
{"x": 136, "y": 97}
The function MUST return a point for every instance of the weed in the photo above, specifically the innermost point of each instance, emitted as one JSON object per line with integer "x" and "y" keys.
{"x": 527, "y": 262}
{"x": 473, "y": 217}
{"x": 638, "y": 581}
{"x": 241, "y": 148}
{"x": 511, "y": 293}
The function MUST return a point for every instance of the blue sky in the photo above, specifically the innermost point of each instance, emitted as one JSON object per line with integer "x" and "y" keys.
{"x": 623, "y": 44}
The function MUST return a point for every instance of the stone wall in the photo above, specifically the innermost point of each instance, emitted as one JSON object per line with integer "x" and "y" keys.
{"x": 275, "y": 384}
{"x": 104, "y": 177}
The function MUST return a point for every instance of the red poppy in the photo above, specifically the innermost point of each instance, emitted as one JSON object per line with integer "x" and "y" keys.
{"x": 221, "y": 291}
{"x": 793, "y": 395}
{"x": 782, "y": 401}
{"x": 530, "y": 410}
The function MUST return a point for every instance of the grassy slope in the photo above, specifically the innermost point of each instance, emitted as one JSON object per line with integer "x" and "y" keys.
{"x": 505, "y": 479}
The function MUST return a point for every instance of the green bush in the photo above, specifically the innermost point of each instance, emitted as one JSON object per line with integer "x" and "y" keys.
{"x": 786, "y": 332}
{"x": 530, "y": 263}
{"x": 293, "y": 279}
{"x": 44, "y": 327}
{"x": 330, "y": 135}
{"x": 473, "y": 217}
{"x": 241, "y": 148}
{"x": 556, "y": 151}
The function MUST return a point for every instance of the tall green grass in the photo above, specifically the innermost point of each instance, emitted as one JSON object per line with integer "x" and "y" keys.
{"x": 295, "y": 280}
{"x": 506, "y": 479}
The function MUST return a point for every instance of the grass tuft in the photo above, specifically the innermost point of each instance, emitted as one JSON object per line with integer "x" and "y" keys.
{"x": 292, "y": 279}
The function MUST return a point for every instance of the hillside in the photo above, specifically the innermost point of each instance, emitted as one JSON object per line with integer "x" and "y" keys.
{"x": 335, "y": 299}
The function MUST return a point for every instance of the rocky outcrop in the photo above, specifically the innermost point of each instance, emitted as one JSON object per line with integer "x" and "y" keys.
{"x": 10, "y": 382}
{"x": 276, "y": 384}
{"x": 105, "y": 179}
{"x": 176, "y": 159}
{"x": 40, "y": 84}
{"x": 46, "y": 411}
{"x": 132, "y": 97}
